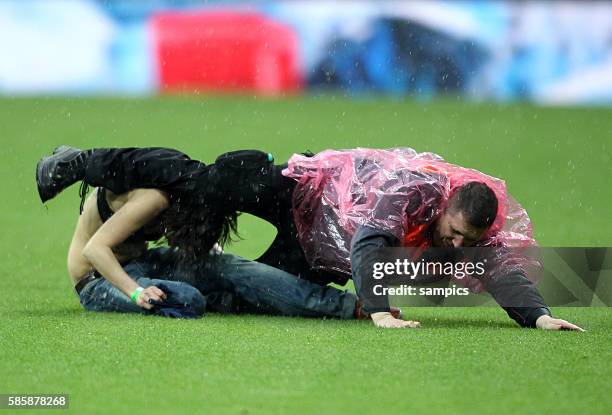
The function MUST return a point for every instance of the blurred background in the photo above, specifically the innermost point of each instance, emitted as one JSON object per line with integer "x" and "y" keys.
{"x": 521, "y": 90}
{"x": 541, "y": 51}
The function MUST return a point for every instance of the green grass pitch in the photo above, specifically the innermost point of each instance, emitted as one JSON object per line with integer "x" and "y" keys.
{"x": 556, "y": 161}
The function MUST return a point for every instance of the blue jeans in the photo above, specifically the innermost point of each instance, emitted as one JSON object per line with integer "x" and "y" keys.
{"x": 261, "y": 289}
{"x": 101, "y": 295}
{"x": 226, "y": 283}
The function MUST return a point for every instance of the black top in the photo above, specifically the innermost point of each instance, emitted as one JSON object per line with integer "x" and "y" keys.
{"x": 106, "y": 212}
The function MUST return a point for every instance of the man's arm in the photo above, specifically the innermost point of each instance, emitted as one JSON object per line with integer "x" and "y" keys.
{"x": 518, "y": 297}
{"x": 366, "y": 241}
{"x": 521, "y": 300}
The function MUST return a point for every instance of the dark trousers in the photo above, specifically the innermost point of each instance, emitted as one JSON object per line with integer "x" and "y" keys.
{"x": 244, "y": 181}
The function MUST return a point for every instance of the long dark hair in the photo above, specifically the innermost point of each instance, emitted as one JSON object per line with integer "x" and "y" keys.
{"x": 194, "y": 226}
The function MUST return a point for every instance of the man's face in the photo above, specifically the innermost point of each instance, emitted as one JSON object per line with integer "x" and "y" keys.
{"x": 452, "y": 230}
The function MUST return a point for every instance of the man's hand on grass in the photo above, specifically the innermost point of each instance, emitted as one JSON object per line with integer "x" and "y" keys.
{"x": 386, "y": 320}
{"x": 546, "y": 322}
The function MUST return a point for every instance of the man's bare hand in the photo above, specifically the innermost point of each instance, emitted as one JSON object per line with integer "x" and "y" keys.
{"x": 386, "y": 320}
{"x": 548, "y": 323}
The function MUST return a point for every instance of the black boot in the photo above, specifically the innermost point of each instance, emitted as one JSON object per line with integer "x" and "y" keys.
{"x": 55, "y": 173}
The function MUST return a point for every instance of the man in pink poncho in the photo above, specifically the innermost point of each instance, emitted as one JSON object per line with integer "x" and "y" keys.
{"x": 349, "y": 203}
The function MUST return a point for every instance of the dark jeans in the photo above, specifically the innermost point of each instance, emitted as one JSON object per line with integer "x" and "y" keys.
{"x": 226, "y": 283}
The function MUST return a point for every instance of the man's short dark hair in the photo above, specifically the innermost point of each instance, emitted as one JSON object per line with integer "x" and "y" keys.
{"x": 477, "y": 202}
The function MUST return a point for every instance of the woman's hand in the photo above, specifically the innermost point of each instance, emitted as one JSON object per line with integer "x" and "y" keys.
{"x": 151, "y": 293}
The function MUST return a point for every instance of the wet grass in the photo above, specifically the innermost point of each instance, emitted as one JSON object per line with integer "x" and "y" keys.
{"x": 557, "y": 162}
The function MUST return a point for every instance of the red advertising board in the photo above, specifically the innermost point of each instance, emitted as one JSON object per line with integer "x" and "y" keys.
{"x": 225, "y": 51}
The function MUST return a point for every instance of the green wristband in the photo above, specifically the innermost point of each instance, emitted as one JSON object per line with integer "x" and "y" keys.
{"x": 136, "y": 293}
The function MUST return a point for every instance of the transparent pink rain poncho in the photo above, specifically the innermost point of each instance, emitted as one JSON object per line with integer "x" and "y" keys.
{"x": 398, "y": 190}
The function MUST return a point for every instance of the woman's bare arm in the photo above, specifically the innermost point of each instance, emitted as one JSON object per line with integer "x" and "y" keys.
{"x": 142, "y": 206}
